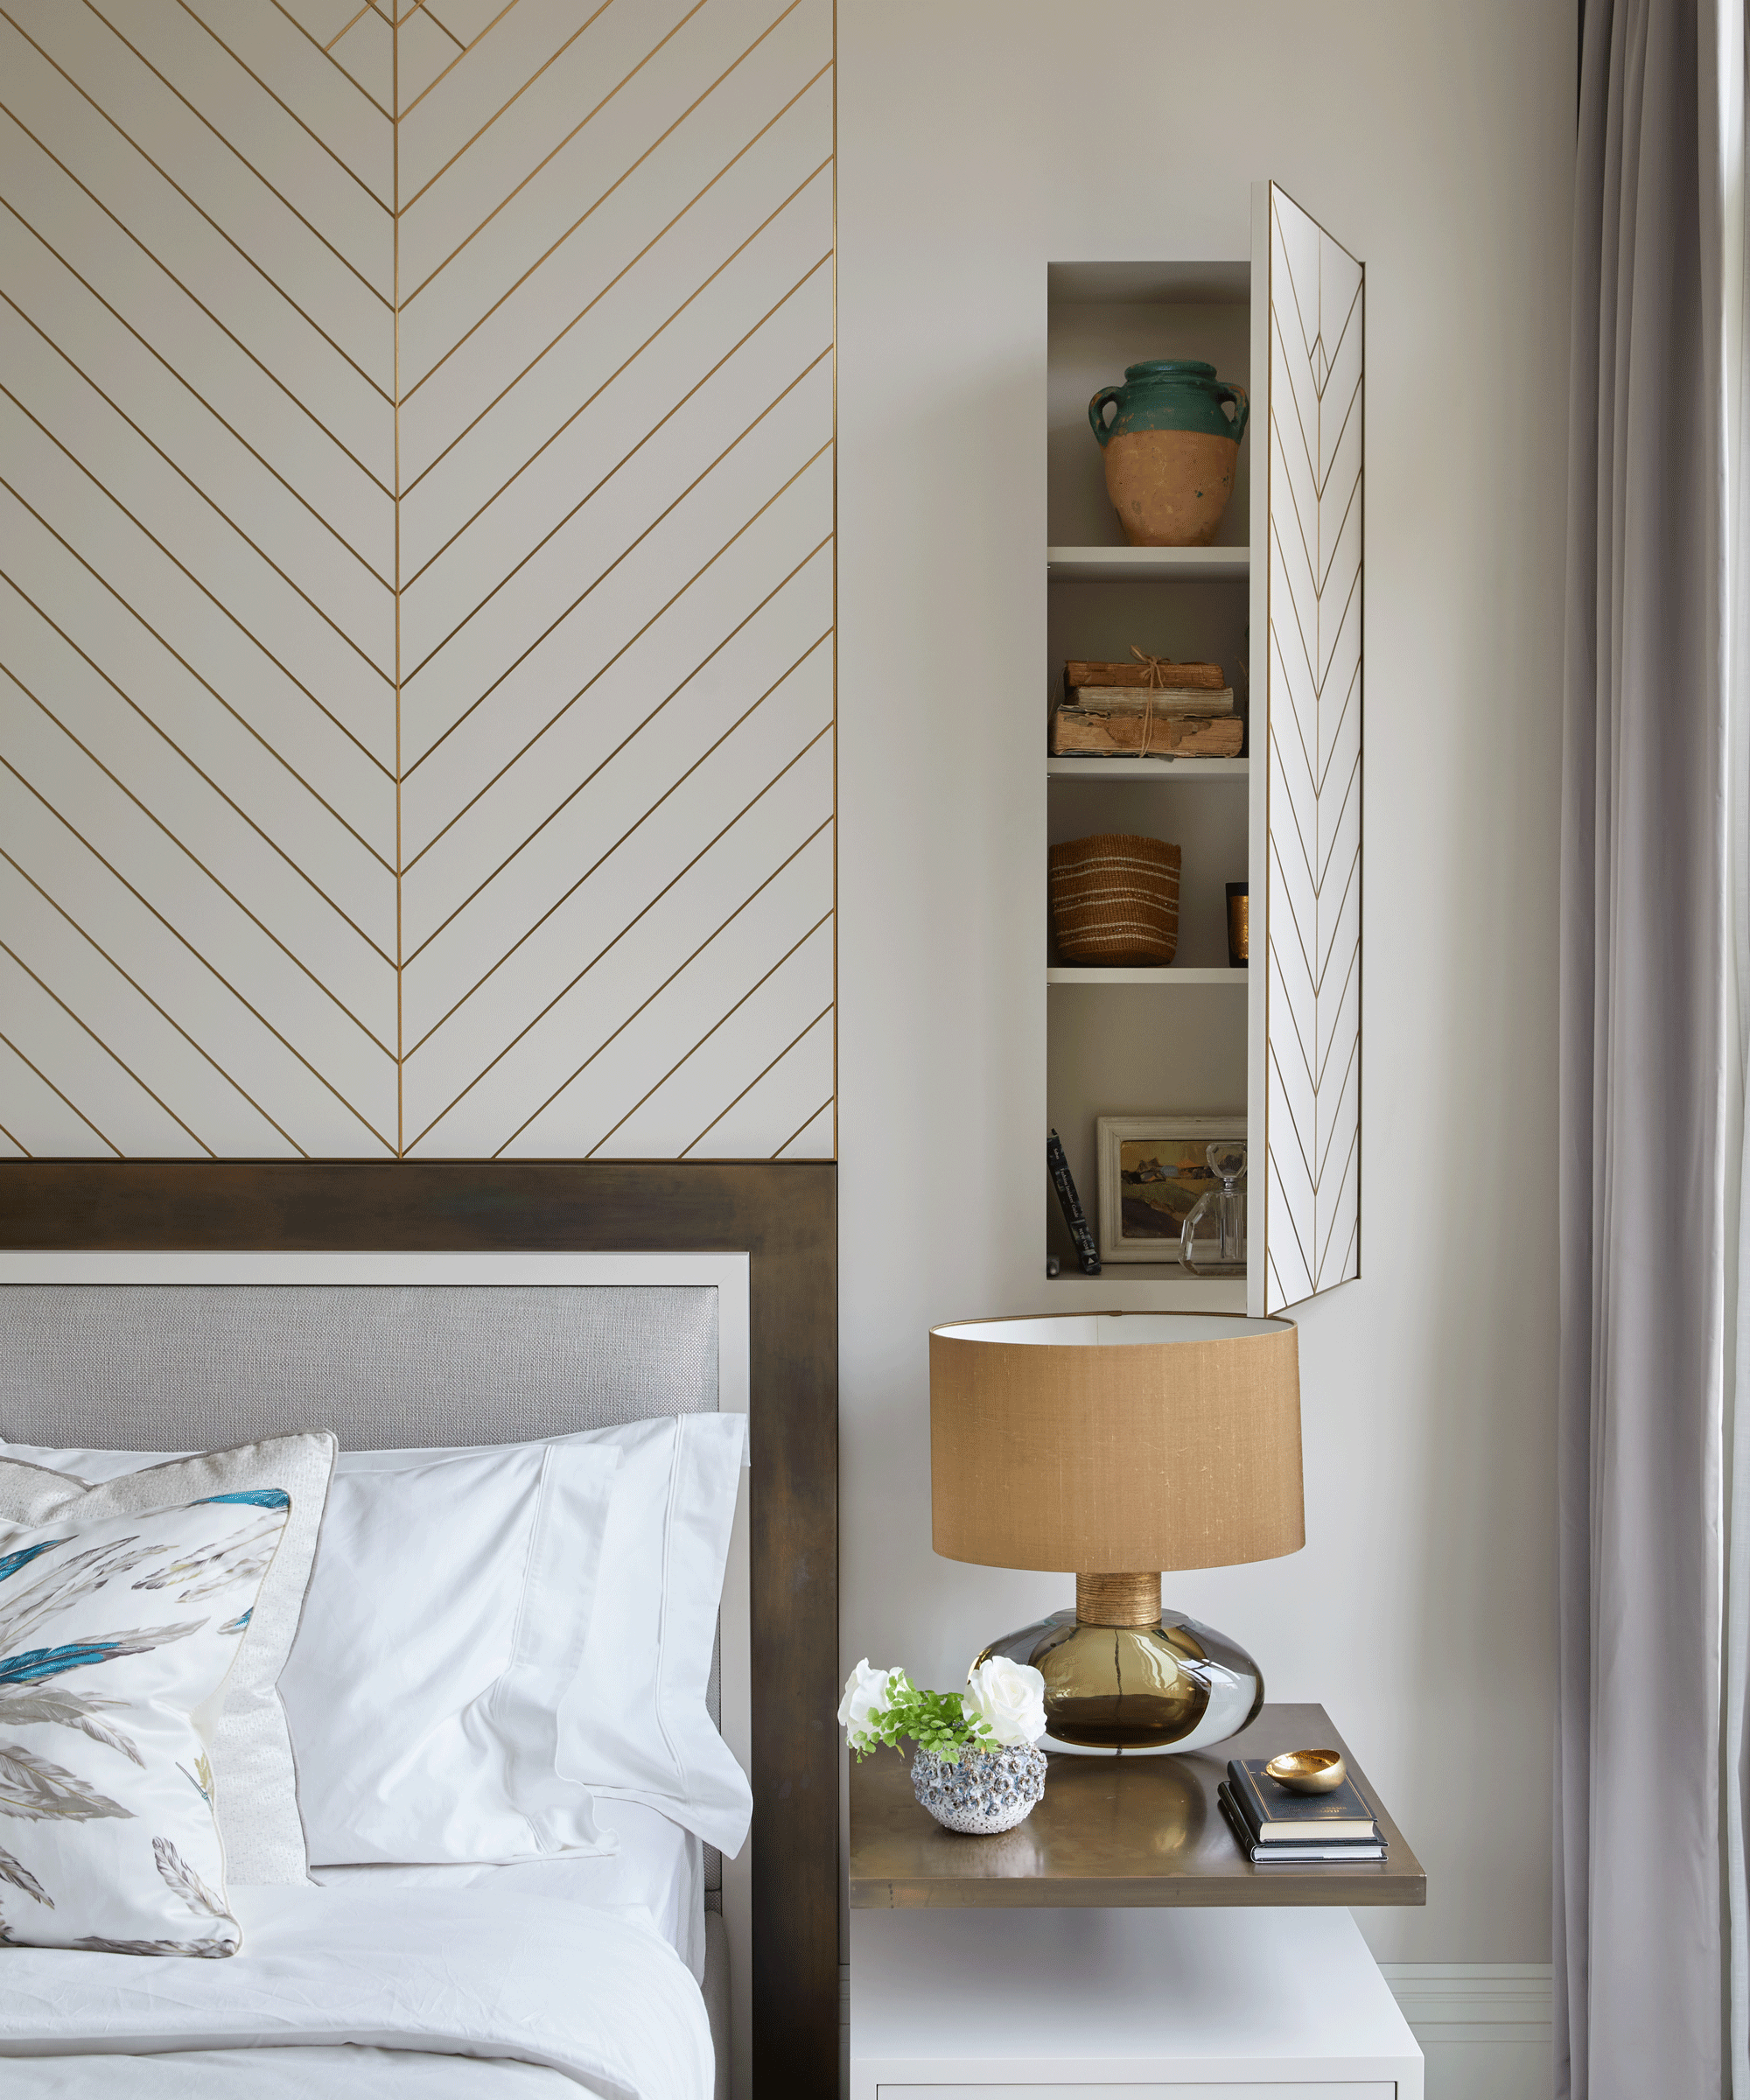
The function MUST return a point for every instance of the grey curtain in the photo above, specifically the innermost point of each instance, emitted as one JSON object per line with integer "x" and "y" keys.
{"x": 1645, "y": 1118}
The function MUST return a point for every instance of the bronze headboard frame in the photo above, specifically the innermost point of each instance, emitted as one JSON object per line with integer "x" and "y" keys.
{"x": 783, "y": 1214}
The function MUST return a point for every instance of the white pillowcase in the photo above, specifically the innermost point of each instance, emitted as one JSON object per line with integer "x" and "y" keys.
{"x": 117, "y": 1631}
{"x": 634, "y": 1717}
{"x": 446, "y": 1616}
{"x": 256, "y": 1779}
{"x": 635, "y": 1722}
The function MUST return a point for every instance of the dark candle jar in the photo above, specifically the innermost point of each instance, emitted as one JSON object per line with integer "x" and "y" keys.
{"x": 1238, "y": 929}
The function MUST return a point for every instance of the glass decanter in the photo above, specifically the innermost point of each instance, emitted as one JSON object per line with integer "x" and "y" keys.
{"x": 1213, "y": 1239}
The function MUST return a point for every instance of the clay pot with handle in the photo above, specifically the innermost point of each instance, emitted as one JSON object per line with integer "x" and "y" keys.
{"x": 1172, "y": 450}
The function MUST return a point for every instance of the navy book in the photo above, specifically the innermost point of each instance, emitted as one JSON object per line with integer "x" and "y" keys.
{"x": 1274, "y": 1815}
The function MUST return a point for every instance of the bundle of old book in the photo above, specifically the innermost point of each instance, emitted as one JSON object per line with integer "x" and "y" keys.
{"x": 1279, "y": 1829}
{"x": 1152, "y": 708}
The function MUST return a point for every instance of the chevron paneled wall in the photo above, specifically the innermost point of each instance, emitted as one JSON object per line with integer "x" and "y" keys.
{"x": 1313, "y": 1038}
{"x": 418, "y": 475}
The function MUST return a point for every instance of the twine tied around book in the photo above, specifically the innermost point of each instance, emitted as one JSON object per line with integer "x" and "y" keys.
{"x": 1156, "y": 667}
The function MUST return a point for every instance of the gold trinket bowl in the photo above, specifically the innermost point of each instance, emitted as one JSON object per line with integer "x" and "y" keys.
{"x": 1308, "y": 1771}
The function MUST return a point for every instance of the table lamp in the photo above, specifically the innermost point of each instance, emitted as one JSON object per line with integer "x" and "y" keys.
{"x": 1112, "y": 1446}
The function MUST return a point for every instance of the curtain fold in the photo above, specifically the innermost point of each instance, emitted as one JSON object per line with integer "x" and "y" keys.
{"x": 1645, "y": 1115}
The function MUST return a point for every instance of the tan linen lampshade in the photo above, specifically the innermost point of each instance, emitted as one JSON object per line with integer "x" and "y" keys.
{"x": 1115, "y": 1441}
{"x": 1114, "y": 1446}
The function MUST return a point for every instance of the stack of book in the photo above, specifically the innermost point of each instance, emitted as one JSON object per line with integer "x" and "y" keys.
{"x": 1154, "y": 710}
{"x": 1277, "y": 1828}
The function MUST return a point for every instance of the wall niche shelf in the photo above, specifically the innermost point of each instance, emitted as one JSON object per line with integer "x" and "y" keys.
{"x": 1119, "y": 564}
{"x": 1145, "y": 1287}
{"x": 1146, "y": 769}
{"x": 1286, "y": 323}
{"x": 1092, "y": 973}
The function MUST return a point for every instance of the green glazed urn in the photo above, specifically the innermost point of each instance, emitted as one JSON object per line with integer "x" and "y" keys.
{"x": 1172, "y": 450}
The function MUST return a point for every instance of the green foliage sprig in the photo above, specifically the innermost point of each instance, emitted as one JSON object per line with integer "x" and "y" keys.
{"x": 936, "y": 1721}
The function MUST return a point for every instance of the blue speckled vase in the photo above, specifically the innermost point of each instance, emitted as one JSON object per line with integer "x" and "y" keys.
{"x": 987, "y": 1791}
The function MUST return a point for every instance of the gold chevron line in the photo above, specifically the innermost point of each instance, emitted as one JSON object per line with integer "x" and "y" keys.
{"x": 121, "y": 1062}
{"x": 199, "y": 210}
{"x": 596, "y": 300}
{"x": 752, "y": 1083}
{"x": 657, "y": 994}
{"x": 395, "y": 281}
{"x": 242, "y": 720}
{"x": 360, "y": 17}
{"x": 235, "y": 808}
{"x": 630, "y": 545}
{"x": 510, "y": 196}
{"x": 658, "y": 614}
{"x": 344, "y": 261}
{"x": 721, "y": 1021}
{"x": 550, "y": 60}
{"x": 566, "y": 988}
{"x": 625, "y": 364}
{"x": 152, "y": 351}
{"x": 1294, "y": 1128}
{"x": 431, "y": 16}
{"x": 146, "y": 532}
{"x": 456, "y": 61}
{"x": 650, "y": 904}
{"x": 177, "y": 933}
{"x": 608, "y": 852}
{"x": 176, "y": 468}
{"x": 820, "y": 1111}
{"x": 14, "y": 1142}
{"x": 352, "y": 173}
{"x": 85, "y": 935}
{"x": 393, "y": 17}
{"x": 332, "y": 60}
{"x": 236, "y": 341}
{"x": 56, "y": 1091}
{"x": 1337, "y": 1205}
{"x": 624, "y": 176}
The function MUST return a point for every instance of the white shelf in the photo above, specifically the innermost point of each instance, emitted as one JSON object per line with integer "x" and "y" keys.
{"x": 1094, "y": 975}
{"x": 1160, "y": 768}
{"x": 1143, "y": 1287}
{"x": 1149, "y": 564}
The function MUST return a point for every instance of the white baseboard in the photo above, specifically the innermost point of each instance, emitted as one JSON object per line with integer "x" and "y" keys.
{"x": 1484, "y": 2028}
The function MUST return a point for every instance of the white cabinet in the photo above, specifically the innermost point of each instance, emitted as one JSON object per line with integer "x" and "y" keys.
{"x": 1153, "y": 2004}
{"x": 1278, "y": 601}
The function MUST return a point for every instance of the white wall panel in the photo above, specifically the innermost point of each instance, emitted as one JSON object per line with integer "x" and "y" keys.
{"x": 417, "y": 476}
{"x": 1314, "y": 1045}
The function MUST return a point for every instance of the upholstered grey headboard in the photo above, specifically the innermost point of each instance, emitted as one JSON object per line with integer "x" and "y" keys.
{"x": 159, "y": 1367}
{"x": 176, "y": 1367}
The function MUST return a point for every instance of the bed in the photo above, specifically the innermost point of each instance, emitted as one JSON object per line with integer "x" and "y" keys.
{"x": 418, "y": 1307}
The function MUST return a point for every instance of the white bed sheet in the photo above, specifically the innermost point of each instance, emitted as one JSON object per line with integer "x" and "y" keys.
{"x": 362, "y": 1990}
{"x": 658, "y": 1865}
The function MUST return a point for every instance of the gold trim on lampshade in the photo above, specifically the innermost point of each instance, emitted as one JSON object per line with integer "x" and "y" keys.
{"x": 1115, "y": 1441}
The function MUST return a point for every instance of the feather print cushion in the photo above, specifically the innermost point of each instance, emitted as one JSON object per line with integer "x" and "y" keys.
{"x": 116, "y": 1636}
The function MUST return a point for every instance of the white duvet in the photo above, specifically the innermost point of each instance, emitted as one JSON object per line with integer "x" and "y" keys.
{"x": 479, "y": 1993}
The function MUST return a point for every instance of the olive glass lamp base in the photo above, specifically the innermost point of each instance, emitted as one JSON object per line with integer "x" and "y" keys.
{"x": 1125, "y": 1678}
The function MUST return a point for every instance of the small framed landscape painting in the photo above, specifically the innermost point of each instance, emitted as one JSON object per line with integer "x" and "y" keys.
{"x": 1152, "y": 1169}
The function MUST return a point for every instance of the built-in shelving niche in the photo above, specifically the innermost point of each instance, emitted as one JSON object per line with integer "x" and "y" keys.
{"x": 1282, "y": 1039}
{"x": 1142, "y": 1042}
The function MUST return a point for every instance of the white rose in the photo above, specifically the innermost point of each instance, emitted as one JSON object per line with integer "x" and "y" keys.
{"x": 865, "y": 1690}
{"x": 1009, "y": 1698}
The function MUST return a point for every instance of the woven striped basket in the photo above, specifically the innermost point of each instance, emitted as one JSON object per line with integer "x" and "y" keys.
{"x": 1115, "y": 900}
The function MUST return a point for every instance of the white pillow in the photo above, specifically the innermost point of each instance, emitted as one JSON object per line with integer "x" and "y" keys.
{"x": 445, "y": 1617}
{"x": 635, "y": 1722}
{"x": 116, "y": 1634}
{"x": 252, "y": 1752}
